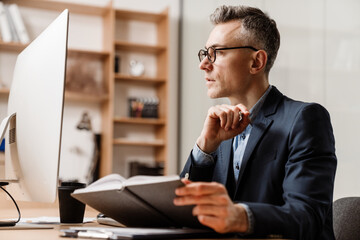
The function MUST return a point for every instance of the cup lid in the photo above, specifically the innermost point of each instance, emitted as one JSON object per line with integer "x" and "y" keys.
{"x": 73, "y": 184}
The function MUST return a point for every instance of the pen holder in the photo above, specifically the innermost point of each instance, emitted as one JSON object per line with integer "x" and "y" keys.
{"x": 71, "y": 210}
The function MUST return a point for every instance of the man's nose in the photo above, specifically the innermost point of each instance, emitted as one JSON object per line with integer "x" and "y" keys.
{"x": 205, "y": 64}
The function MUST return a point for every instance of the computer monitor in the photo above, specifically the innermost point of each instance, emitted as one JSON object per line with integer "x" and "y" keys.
{"x": 35, "y": 112}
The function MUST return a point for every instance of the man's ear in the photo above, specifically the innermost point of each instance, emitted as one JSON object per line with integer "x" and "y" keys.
{"x": 259, "y": 62}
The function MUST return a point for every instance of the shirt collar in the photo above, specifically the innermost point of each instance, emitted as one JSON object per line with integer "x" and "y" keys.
{"x": 256, "y": 108}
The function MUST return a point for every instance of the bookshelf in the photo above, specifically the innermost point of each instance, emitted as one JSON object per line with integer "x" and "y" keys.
{"x": 115, "y": 84}
{"x": 153, "y": 46}
{"x": 76, "y": 101}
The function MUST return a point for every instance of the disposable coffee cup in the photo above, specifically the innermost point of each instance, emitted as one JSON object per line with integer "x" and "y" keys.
{"x": 71, "y": 210}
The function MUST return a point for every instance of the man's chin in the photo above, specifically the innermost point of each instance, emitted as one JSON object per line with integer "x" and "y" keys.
{"x": 213, "y": 95}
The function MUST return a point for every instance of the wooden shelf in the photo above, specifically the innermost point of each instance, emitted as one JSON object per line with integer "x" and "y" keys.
{"x": 139, "y": 16}
{"x": 127, "y": 142}
{"x": 88, "y": 53}
{"x": 137, "y": 47}
{"x": 12, "y": 46}
{"x": 141, "y": 79}
{"x": 18, "y": 47}
{"x": 141, "y": 121}
{"x": 82, "y": 97}
{"x": 60, "y": 6}
{"x": 4, "y": 91}
{"x": 72, "y": 96}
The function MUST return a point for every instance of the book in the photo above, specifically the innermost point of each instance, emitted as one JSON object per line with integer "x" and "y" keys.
{"x": 19, "y": 25}
{"x": 105, "y": 220}
{"x": 140, "y": 201}
{"x": 14, "y": 35}
{"x": 4, "y": 24}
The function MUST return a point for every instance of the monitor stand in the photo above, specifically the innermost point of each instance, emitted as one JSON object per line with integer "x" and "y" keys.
{"x": 9, "y": 223}
{"x": 26, "y": 226}
{"x": 4, "y": 124}
{"x": 17, "y": 225}
{"x": 3, "y": 182}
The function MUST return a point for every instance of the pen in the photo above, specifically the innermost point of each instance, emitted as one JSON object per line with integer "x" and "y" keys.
{"x": 187, "y": 175}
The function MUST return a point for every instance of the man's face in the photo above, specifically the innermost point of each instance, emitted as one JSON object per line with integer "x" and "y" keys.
{"x": 229, "y": 75}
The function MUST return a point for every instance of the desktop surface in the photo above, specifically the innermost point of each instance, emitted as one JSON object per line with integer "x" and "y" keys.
{"x": 34, "y": 210}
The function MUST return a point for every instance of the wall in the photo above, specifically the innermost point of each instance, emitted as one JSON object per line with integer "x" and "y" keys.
{"x": 318, "y": 61}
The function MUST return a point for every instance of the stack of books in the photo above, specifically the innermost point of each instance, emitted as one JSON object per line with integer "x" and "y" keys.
{"x": 12, "y": 27}
{"x": 143, "y": 107}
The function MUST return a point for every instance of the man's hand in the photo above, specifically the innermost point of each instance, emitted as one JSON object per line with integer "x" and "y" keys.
{"x": 222, "y": 123}
{"x": 213, "y": 207}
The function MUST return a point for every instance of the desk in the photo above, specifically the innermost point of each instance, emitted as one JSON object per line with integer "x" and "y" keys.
{"x": 30, "y": 210}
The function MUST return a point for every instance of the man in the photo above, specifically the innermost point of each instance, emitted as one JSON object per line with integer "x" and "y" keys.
{"x": 267, "y": 171}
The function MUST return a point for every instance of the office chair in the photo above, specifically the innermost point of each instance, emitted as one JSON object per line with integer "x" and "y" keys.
{"x": 347, "y": 218}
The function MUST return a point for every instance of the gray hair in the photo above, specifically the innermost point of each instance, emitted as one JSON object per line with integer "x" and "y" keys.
{"x": 258, "y": 29}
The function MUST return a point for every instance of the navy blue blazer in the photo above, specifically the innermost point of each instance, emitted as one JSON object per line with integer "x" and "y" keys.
{"x": 288, "y": 170}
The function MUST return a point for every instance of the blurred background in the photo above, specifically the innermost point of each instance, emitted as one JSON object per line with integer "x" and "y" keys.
{"x": 318, "y": 61}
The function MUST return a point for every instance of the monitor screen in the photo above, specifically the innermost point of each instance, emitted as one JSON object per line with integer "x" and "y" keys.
{"x": 35, "y": 107}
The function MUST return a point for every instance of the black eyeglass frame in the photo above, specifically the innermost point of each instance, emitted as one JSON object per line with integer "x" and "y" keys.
{"x": 205, "y": 53}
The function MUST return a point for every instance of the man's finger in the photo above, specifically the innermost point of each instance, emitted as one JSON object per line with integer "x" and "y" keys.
{"x": 222, "y": 115}
{"x": 200, "y": 188}
{"x": 186, "y": 180}
{"x": 229, "y": 111}
{"x": 219, "y": 199}
{"x": 218, "y": 211}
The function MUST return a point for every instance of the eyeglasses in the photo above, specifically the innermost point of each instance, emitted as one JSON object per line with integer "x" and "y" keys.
{"x": 210, "y": 53}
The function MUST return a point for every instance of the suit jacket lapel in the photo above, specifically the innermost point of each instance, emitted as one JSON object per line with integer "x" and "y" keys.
{"x": 223, "y": 162}
{"x": 260, "y": 125}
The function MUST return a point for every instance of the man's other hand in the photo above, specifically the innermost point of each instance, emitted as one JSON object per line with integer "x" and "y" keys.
{"x": 213, "y": 207}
